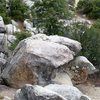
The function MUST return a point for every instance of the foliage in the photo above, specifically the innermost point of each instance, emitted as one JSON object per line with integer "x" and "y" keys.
{"x": 18, "y": 10}
{"x": 4, "y": 12}
{"x": 19, "y": 36}
{"x": 89, "y": 38}
{"x": 97, "y": 24}
{"x": 76, "y": 31}
{"x": 47, "y": 14}
{"x": 90, "y": 7}
{"x": 91, "y": 45}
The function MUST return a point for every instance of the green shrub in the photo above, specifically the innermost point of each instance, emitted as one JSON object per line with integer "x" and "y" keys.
{"x": 19, "y": 36}
{"x": 4, "y": 12}
{"x": 90, "y": 7}
{"x": 91, "y": 45}
{"x": 18, "y": 10}
{"x": 97, "y": 24}
{"x": 89, "y": 38}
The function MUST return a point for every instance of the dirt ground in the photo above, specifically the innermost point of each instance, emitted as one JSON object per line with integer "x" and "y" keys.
{"x": 90, "y": 90}
{"x": 6, "y": 91}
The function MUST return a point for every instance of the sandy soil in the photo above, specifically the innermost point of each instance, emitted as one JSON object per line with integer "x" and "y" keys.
{"x": 6, "y": 91}
{"x": 90, "y": 90}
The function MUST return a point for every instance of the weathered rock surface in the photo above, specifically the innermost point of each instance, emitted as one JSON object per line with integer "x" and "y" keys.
{"x": 68, "y": 92}
{"x": 2, "y": 66}
{"x": 2, "y": 55}
{"x": 33, "y": 62}
{"x": 81, "y": 62}
{"x": 10, "y": 29}
{"x": 29, "y": 27}
{"x": 7, "y": 38}
{"x": 2, "y": 26}
{"x": 73, "y": 45}
{"x": 2, "y": 63}
{"x": 62, "y": 78}
{"x": 29, "y": 92}
{"x": 5, "y": 41}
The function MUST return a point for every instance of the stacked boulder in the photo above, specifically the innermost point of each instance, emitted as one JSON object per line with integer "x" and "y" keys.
{"x": 37, "y": 59}
{"x": 42, "y": 60}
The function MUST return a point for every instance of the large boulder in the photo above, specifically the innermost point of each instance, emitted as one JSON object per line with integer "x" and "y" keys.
{"x": 68, "y": 92}
{"x": 73, "y": 45}
{"x": 29, "y": 92}
{"x": 33, "y": 62}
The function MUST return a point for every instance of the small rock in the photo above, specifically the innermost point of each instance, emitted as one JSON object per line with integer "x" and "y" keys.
{"x": 84, "y": 97}
{"x": 73, "y": 68}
